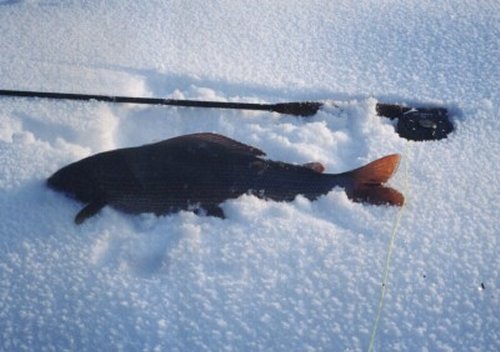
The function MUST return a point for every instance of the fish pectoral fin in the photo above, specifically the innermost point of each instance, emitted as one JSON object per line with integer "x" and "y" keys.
{"x": 214, "y": 210}
{"x": 88, "y": 211}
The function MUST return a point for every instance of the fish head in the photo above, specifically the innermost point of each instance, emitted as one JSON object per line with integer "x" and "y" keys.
{"x": 75, "y": 181}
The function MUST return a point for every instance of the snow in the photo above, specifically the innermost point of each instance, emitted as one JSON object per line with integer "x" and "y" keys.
{"x": 273, "y": 276}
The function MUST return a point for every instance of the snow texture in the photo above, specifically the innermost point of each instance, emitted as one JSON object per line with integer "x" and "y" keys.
{"x": 299, "y": 276}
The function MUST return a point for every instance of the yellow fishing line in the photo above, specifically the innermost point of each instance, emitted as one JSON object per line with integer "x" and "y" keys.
{"x": 389, "y": 256}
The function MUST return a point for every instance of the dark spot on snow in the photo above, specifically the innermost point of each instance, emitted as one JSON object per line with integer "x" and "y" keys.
{"x": 482, "y": 286}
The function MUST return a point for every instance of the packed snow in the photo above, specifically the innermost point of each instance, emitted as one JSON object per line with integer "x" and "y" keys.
{"x": 298, "y": 276}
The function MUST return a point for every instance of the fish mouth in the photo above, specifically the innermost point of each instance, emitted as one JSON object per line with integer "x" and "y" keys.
{"x": 65, "y": 193}
{"x": 53, "y": 183}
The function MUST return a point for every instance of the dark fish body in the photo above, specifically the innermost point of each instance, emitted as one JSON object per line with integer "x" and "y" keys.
{"x": 200, "y": 171}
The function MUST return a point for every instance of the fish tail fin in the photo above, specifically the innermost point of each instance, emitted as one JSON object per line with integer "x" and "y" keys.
{"x": 368, "y": 180}
{"x": 377, "y": 195}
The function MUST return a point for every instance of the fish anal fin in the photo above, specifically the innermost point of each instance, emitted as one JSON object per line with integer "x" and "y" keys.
{"x": 88, "y": 211}
{"x": 376, "y": 172}
{"x": 377, "y": 195}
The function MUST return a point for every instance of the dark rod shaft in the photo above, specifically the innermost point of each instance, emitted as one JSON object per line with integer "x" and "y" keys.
{"x": 301, "y": 108}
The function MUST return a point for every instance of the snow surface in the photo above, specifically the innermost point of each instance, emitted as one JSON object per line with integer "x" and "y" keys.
{"x": 298, "y": 276}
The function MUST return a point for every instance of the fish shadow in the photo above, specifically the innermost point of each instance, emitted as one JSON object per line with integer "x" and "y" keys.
{"x": 143, "y": 245}
{"x": 140, "y": 124}
{"x": 15, "y": 2}
{"x": 162, "y": 84}
{"x": 32, "y": 212}
{"x": 10, "y": 2}
{"x": 43, "y": 130}
{"x": 138, "y": 245}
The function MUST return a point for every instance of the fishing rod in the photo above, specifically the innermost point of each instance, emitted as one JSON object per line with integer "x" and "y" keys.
{"x": 414, "y": 123}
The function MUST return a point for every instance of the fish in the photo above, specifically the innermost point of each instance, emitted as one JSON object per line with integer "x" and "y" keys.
{"x": 197, "y": 172}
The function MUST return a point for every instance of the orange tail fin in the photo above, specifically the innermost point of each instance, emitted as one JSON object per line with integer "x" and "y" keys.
{"x": 368, "y": 182}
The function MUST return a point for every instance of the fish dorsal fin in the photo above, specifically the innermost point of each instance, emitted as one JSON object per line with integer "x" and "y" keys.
{"x": 217, "y": 139}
